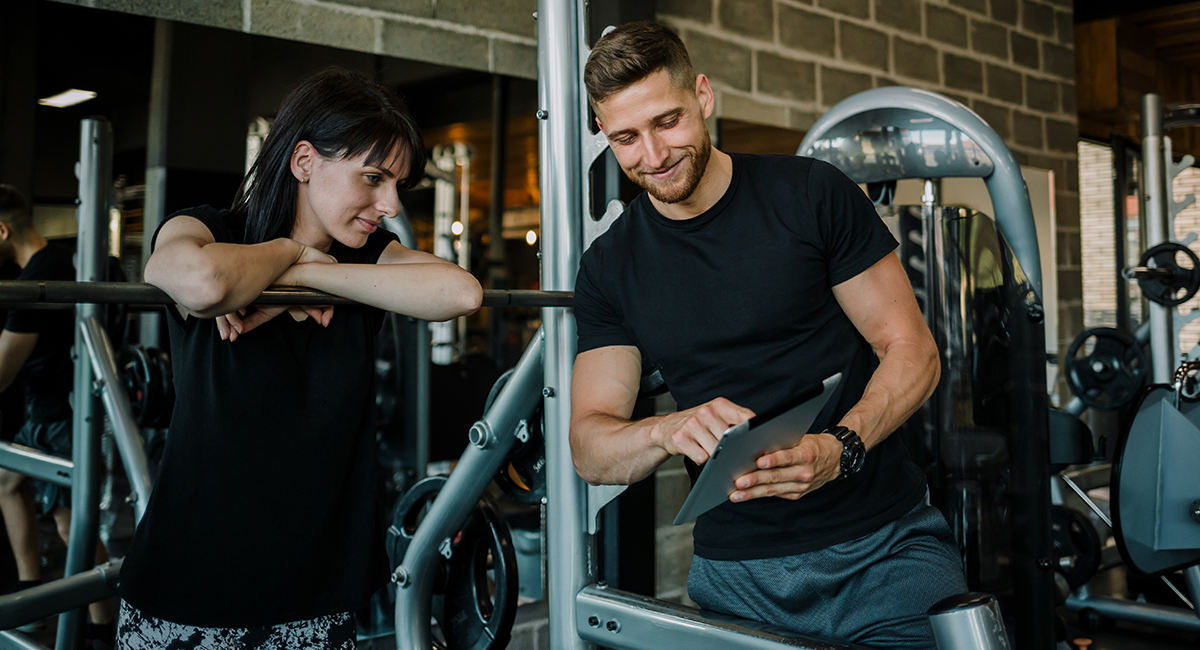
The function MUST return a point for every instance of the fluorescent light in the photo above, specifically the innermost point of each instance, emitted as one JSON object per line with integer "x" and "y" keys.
{"x": 68, "y": 98}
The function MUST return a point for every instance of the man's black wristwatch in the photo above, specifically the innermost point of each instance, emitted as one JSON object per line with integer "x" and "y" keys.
{"x": 854, "y": 453}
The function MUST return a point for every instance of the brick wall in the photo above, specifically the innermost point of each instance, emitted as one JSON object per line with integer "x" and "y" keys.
{"x": 490, "y": 35}
{"x": 785, "y": 62}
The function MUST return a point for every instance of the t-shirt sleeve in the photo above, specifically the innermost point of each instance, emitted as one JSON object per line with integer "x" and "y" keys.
{"x": 376, "y": 242}
{"x": 597, "y": 323}
{"x": 51, "y": 267}
{"x": 213, "y": 219}
{"x": 29, "y": 321}
{"x": 854, "y": 236}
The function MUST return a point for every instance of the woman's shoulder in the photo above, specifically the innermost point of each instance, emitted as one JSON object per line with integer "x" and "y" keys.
{"x": 224, "y": 225}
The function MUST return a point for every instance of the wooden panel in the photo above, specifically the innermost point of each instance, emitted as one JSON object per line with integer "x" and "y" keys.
{"x": 1096, "y": 66}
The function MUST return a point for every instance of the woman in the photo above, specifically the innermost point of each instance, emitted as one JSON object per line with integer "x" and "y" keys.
{"x": 262, "y": 530}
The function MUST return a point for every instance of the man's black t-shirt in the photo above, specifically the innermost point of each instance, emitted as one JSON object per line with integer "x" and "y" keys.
{"x": 737, "y": 303}
{"x": 49, "y": 373}
{"x": 264, "y": 511}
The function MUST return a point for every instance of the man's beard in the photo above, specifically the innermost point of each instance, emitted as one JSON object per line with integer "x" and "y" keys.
{"x": 692, "y": 166}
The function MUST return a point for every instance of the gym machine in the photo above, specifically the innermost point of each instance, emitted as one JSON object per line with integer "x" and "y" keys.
{"x": 983, "y": 438}
{"x": 1153, "y": 510}
{"x": 98, "y": 391}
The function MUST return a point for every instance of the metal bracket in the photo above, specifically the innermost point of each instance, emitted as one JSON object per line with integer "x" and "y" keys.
{"x": 522, "y": 432}
{"x": 592, "y": 228}
{"x": 599, "y": 496}
{"x": 445, "y": 549}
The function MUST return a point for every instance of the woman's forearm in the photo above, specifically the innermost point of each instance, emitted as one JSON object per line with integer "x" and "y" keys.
{"x": 213, "y": 279}
{"x": 434, "y": 291}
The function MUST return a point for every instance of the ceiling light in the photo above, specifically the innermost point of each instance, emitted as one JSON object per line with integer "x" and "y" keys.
{"x": 531, "y": 238}
{"x": 68, "y": 98}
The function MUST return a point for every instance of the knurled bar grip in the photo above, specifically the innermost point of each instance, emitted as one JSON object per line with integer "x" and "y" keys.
{"x": 34, "y": 293}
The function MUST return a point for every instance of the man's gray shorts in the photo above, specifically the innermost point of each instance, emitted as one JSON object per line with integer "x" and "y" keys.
{"x": 873, "y": 591}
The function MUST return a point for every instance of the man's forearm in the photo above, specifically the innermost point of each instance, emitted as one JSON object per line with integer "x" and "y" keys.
{"x": 608, "y": 450}
{"x": 905, "y": 378}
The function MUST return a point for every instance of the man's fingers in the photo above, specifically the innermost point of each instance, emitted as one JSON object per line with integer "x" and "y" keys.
{"x": 791, "y": 490}
{"x": 729, "y": 412}
{"x": 693, "y": 450}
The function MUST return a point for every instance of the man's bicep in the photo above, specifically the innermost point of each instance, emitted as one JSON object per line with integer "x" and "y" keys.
{"x": 880, "y": 303}
{"x": 606, "y": 381}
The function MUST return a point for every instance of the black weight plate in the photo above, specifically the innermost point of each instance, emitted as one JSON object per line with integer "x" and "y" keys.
{"x": 139, "y": 383}
{"x": 1178, "y": 289}
{"x": 480, "y": 602}
{"x": 1075, "y": 539}
{"x": 1109, "y": 376}
{"x": 523, "y": 476}
{"x": 474, "y": 599}
{"x": 408, "y": 514}
{"x": 161, "y": 361}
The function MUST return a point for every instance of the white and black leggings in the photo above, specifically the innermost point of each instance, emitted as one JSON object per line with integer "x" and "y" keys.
{"x": 138, "y": 631}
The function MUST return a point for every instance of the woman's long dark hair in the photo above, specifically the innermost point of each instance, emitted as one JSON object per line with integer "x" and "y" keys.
{"x": 343, "y": 114}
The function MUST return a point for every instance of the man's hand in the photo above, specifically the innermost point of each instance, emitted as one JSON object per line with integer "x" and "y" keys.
{"x": 695, "y": 432}
{"x": 793, "y": 473}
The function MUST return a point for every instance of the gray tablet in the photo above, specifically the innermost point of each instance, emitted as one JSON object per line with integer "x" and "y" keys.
{"x": 742, "y": 445}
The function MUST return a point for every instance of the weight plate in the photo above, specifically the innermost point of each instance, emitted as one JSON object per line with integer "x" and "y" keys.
{"x": 1076, "y": 545}
{"x": 161, "y": 362}
{"x": 141, "y": 385}
{"x": 523, "y": 475}
{"x": 474, "y": 599}
{"x": 1109, "y": 376}
{"x": 1177, "y": 289}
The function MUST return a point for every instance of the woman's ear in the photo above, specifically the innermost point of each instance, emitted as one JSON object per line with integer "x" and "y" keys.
{"x": 303, "y": 157}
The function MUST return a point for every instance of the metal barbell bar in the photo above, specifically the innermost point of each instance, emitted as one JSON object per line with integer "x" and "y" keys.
{"x": 50, "y": 294}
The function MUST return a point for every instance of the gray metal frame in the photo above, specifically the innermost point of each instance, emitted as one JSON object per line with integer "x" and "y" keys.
{"x": 1005, "y": 185}
{"x": 96, "y": 386}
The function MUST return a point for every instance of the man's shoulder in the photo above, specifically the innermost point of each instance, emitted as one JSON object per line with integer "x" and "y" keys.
{"x": 619, "y": 236}
{"x": 758, "y": 164}
{"x": 53, "y": 262}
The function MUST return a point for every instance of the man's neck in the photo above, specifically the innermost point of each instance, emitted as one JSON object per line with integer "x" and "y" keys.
{"x": 717, "y": 176}
{"x": 28, "y": 246}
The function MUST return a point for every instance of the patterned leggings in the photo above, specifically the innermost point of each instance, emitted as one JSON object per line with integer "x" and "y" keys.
{"x": 138, "y": 631}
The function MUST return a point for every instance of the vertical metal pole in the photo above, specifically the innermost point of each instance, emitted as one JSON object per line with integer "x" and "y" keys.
{"x": 570, "y": 564}
{"x": 155, "y": 204}
{"x": 95, "y": 181}
{"x": 462, "y": 154}
{"x": 1120, "y": 160}
{"x": 497, "y": 272}
{"x": 1162, "y": 348}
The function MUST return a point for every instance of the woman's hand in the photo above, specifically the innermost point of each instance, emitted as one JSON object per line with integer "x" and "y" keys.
{"x": 234, "y": 324}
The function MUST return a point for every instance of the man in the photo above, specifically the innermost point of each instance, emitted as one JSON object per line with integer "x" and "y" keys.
{"x": 747, "y": 280}
{"x": 39, "y": 342}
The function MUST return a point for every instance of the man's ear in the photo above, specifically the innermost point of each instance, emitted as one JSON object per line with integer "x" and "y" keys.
{"x": 704, "y": 95}
{"x": 303, "y": 157}
{"x": 599, "y": 125}
{"x": 5, "y": 231}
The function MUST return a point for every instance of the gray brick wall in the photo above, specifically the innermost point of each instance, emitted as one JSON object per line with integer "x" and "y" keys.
{"x": 783, "y": 62}
{"x": 490, "y": 35}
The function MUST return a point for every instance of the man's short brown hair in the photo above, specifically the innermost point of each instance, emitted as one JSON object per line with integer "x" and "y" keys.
{"x": 14, "y": 209}
{"x": 631, "y": 53}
